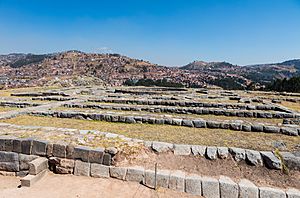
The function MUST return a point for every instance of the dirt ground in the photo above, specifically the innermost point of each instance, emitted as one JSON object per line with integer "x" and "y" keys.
{"x": 261, "y": 176}
{"x": 69, "y": 186}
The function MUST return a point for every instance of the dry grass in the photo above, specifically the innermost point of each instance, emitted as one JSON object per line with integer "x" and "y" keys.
{"x": 291, "y": 105}
{"x": 6, "y": 109}
{"x": 173, "y": 134}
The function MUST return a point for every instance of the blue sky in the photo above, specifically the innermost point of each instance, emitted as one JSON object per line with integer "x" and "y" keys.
{"x": 166, "y": 32}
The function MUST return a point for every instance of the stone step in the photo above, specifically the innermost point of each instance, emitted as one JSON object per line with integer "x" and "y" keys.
{"x": 29, "y": 180}
{"x": 38, "y": 165}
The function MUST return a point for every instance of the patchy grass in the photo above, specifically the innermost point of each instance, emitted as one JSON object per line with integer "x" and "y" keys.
{"x": 291, "y": 105}
{"x": 167, "y": 133}
{"x": 6, "y": 109}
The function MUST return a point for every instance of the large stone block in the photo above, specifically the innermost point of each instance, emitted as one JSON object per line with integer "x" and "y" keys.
{"x": 82, "y": 153}
{"x": 26, "y": 146}
{"x": 82, "y": 168}
{"x": 211, "y": 152}
{"x": 161, "y": 146}
{"x": 248, "y": 189}
{"x": 39, "y": 147}
{"x": 38, "y": 165}
{"x": 9, "y": 161}
{"x": 59, "y": 150}
{"x": 181, "y": 149}
{"x": 223, "y": 152}
{"x": 271, "y": 160}
{"x": 238, "y": 154}
{"x": 24, "y": 160}
{"x": 177, "y": 181}
{"x": 228, "y": 188}
{"x": 199, "y": 123}
{"x": 98, "y": 170}
{"x": 17, "y": 145}
{"x": 198, "y": 150}
{"x": 210, "y": 187}
{"x": 6, "y": 143}
{"x": 107, "y": 159}
{"x": 162, "y": 178}
{"x": 291, "y": 160}
{"x": 96, "y": 155}
{"x": 136, "y": 174}
{"x": 254, "y": 157}
{"x": 118, "y": 172}
{"x": 193, "y": 185}
{"x": 293, "y": 193}
{"x": 266, "y": 192}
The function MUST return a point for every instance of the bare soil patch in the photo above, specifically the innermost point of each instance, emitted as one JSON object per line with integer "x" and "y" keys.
{"x": 261, "y": 176}
{"x": 69, "y": 186}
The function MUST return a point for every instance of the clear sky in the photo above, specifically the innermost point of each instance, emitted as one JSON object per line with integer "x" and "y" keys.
{"x": 166, "y": 32}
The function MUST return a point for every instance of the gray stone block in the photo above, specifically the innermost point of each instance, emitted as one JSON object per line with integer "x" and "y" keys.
{"x": 38, "y": 165}
{"x": 198, "y": 150}
{"x": 17, "y": 145}
{"x": 9, "y": 161}
{"x": 107, "y": 159}
{"x": 24, "y": 160}
{"x": 293, "y": 193}
{"x": 253, "y": 157}
{"x": 26, "y": 146}
{"x": 177, "y": 181}
{"x": 181, "y": 149}
{"x": 98, "y": 170}
{"x": 96, "y": 155}
{"x": 118, "y": 172}
{"x": 135, "y": 174}
{"x": 6, "y": 143}
{"x": 82, "y": 168}
{"x": 82, "y": 153}
{"x": 211, "y": 152}
{"x": 161, "y": 146}
{"x": 291, "y": 160}
{"x": 271, "y": 129}
{"x": 177, "y": 122}
{"x": 212, "y": 124}
{"x": 162, "y": 178}
{"x": 187, "y": 123}
{"x": 210, "y": 187}
{"x": 289, "y": 131}
{"x": 59, "y": 150}
{"x": 257, "y": 128}
{"x": 223, "y": 152}
{"x": 39, "y": 147}
{"x": 228, "y": 188}
{"x": 271, "y": 160}
{"x": 248, "y": 189}
{"x": 266, "y": 192}
{"x": 193, "y": 185}
{"x": 199, "y": 123}
{"x": 238, "y": 154}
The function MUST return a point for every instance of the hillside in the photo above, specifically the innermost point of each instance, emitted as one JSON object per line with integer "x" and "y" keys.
{"x": 75, "y": 68}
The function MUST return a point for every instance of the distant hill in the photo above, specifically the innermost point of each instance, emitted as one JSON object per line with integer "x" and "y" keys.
{"x": 201, "y": 65}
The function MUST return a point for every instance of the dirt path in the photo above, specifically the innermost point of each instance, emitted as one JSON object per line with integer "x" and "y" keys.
{"x": 68, "y": 186}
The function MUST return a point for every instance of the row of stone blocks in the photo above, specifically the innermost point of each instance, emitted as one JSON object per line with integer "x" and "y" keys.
{"x": 63, "y": 150}
{"x": 252, "y": 157}
{"x": 185, "y": 104}
{"x": 18, "y": 104}
{"x": 199, "y": 123}
{"x": 185, "y": 110}
{"x": 53, "y": 98}
{"x": 37, "y": 94}
{"x": 179, "y": 181}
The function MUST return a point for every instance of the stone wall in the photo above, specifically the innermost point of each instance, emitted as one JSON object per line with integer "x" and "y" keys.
{"x": 197, "y": 123}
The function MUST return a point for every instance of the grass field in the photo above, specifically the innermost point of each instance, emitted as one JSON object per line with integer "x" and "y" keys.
{"x": 5, "y": 109}
{"x": 291, "y": 105}
{"x": 173, "y": 134}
